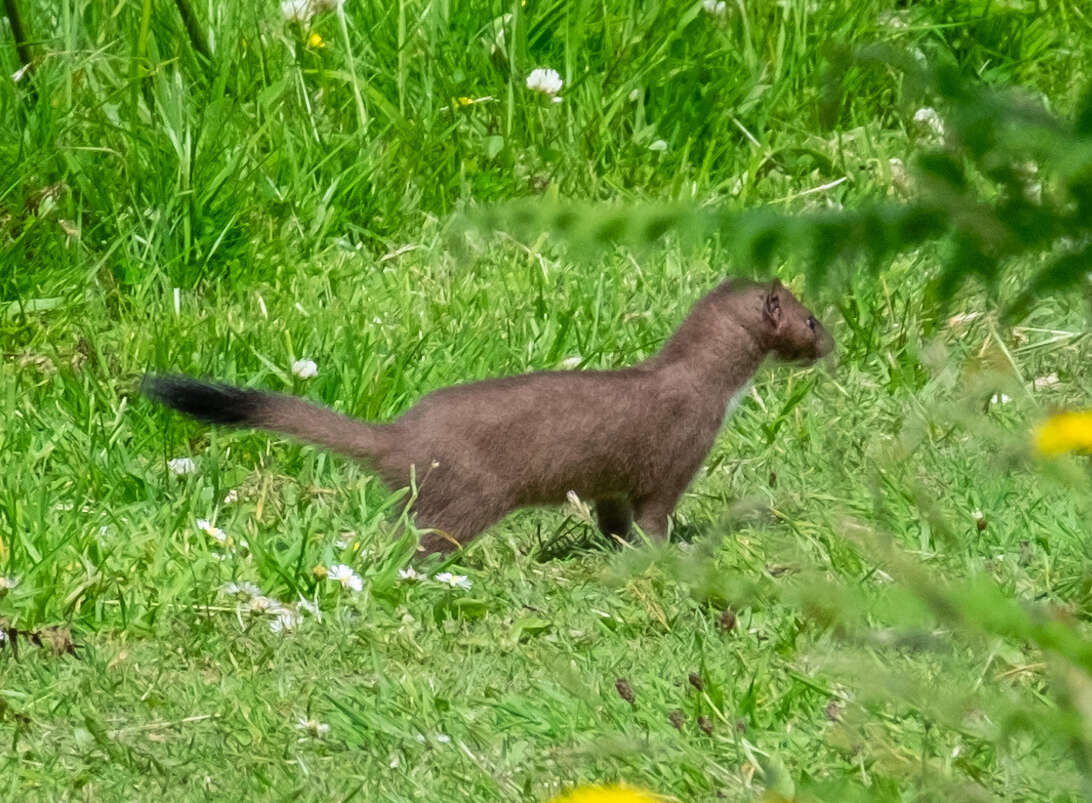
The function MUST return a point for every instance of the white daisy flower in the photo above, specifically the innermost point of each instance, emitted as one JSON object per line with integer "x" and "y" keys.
{"x": 411, "y": 575}
{"x": 231, "y": 497}
{"x": 718, "y": 8}
{"x": 212, "y": 532}
{"x": 312, "y": 726}
{"x": 1029, "y": 171}
{"x": 659, "y": 146}
{"x": 182, "y": 465}
{"x": 892, "y": 19}
{"x": 287, "y": 620}
{"x": 929, "y": 121}
{"x": 263, "y": 604}
{"x": 544, "y": 80}
{"x": 454, "y": 580}
{"x": 240, "y": 589}
{"x": 297, "y": 10}
{"x": 346, "y": 576}
{"x": 305, "y": 369}
{"x": 899, "y": 175}
{"x": 1043, "y": 382}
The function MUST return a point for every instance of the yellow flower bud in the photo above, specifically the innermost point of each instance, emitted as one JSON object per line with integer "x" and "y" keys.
{"x": 1064, "y": 432}
{"x": 605, "y": 794}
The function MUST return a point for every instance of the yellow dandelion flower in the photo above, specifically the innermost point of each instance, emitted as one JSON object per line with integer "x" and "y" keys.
{"x": 605, "y": 794}
{"x": 1064, "y": 432}
{"x": 465, "y": 101}
{"x": 314, "y": 40}
{"x": 320, "y": 572}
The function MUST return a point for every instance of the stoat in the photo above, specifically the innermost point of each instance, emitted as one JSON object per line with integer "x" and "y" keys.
{"x": 630, "y": 439}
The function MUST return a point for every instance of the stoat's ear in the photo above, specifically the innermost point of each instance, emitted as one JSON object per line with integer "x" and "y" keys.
{"x": 771, "y": 307}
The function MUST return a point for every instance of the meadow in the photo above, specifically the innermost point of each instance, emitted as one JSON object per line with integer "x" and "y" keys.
{"x": 875, "y": 590}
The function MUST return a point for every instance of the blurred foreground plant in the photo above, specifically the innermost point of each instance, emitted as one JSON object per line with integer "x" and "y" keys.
{"x": 605, "y": 794}
{"x": 1009, "y": 179}
{"x": 1065, "y": 432}
{"x": 945, "y": 664}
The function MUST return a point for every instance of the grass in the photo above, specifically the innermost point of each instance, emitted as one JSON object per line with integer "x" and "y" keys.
{"x": 875, "y": 591}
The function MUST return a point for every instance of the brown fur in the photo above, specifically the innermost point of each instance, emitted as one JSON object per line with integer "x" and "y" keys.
{"x": 630, "y": 439}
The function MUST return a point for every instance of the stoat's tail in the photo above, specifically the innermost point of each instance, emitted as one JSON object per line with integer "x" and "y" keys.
{"x": 238, "y": 407}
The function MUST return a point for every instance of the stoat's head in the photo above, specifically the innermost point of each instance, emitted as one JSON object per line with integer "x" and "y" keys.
{"x": 766, "y": 314}
{"x": 788, "y": 328}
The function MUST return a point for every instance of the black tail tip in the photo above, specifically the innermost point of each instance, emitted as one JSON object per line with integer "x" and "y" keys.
{"x": 205, "y": 401}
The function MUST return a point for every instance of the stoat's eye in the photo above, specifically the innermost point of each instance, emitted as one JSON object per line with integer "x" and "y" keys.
{"x": 812, "y": 323}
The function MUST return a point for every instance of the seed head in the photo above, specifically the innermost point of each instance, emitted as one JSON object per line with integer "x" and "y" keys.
{"x": 727, "y": 620}
{"x": 625, "y": 691}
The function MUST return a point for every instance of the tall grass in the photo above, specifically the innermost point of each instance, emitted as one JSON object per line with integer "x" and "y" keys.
{"x": 165, "y": 160}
